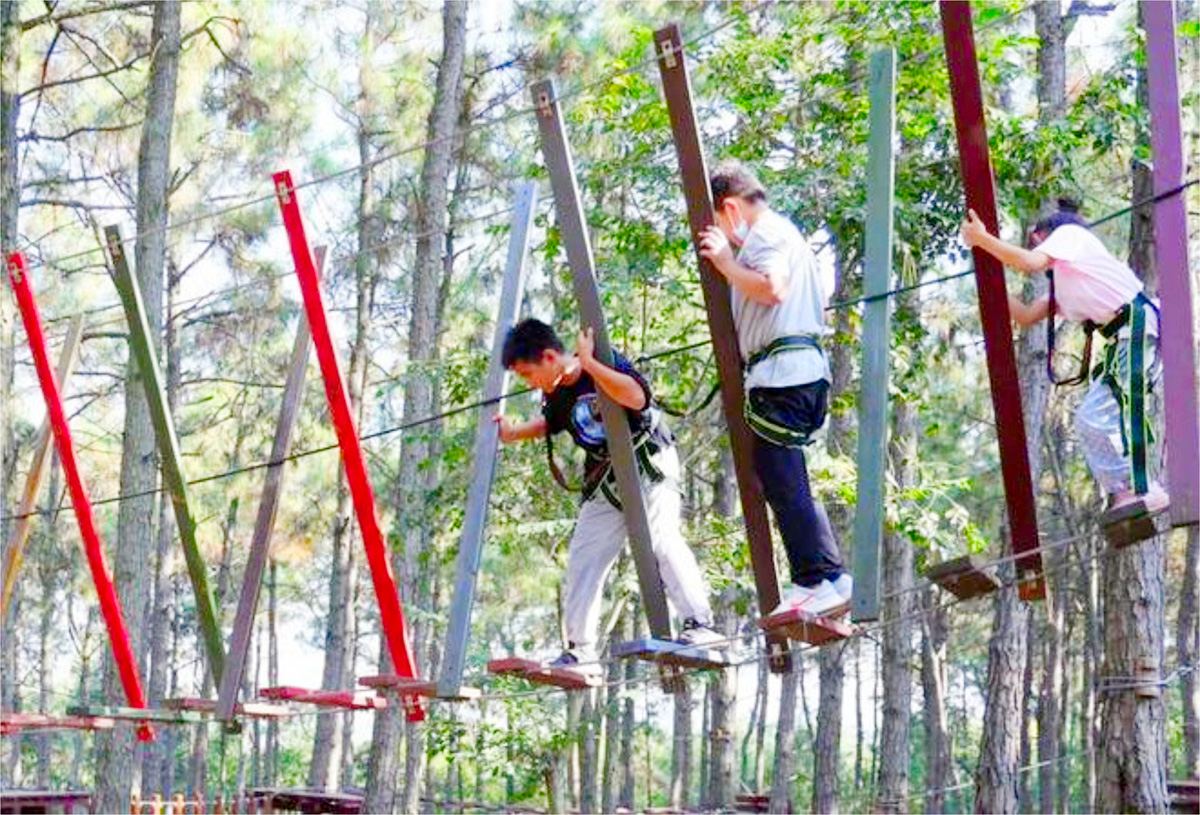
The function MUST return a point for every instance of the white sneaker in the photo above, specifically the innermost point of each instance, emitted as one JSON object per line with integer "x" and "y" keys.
{"x": 825, "y": 600}
{"x": 793, "y": 596}
{"x": 696, "y": 634}
{"x": 582, "y": 661}
{"x": 845, "y": 586}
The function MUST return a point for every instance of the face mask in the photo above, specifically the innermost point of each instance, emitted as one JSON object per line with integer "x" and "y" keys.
{"x": 741, "y": 232}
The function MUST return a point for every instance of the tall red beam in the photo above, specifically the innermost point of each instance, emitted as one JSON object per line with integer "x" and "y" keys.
{"x": 966, "y": 95}
{"x": 110, "y": 607}
{"x": 391, "y": 615}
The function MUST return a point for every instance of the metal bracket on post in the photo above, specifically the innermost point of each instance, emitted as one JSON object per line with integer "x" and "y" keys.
{"x": 483, "y": 459}
{"x": 877, "y": 273}
{"x": 264, "y": 524}
{"x": 678, "y": 92}
{"x": 142, "y": 346}
{"x": 571, "y": 221}
{"x": 966, "y": 96}
{"x": 391, "y": 614}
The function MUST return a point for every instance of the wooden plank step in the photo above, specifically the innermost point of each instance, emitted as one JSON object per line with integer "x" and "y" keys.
{"x": 406, "y": 686}
{"x": 965, "y": 577}
{"x": 669, "y": 652}
{"x": 798, "y": 624}
{"x": 350, "y": 700}
{"x": 542, "y": 674}
{"x": 16, "y": 722}
{"x": 137, "y": 714}
{"x": 1132, "y": 523}
{"x": 253, "y": 710}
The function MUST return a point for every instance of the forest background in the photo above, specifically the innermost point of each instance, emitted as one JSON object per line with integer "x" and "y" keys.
{"x": 412, "y": 125}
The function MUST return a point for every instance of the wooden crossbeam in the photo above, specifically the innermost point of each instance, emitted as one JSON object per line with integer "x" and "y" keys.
{"x": 142, "y": 346}
{"x": 965, "y": 577}
{"x": 19, "y": 536}
{"x": 677, "y": 90}
{"x": 136, "y": 714}
{"x": 250, "y": 710}
{"x": 391, "y": 614}
{"x": 966, "y": 96}
{"x": 542, "y": 674}
{"x": 350, "y": 700}
{"x": 16, "y": 722}
{"x": 415, "y": 687}
{"x": 483, "y": 456}
{"x": 264, "y": 524}
{"x": 110, "y": 607}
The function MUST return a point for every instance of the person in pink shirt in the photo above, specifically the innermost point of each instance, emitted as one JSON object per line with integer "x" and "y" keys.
{"x": 1089, "y": 285}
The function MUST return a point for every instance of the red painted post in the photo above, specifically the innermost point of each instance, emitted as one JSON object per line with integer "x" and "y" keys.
{"x": 110, "y": 607}
{"x": 967, "y": 98}
{"x": 390, "y": 612}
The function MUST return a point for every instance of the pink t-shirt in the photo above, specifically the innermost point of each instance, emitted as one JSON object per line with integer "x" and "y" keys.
{"x": 1089, "y": 283}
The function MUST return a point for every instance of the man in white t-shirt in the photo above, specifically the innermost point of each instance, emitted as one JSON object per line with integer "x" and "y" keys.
{"x": 778, "y": 310}
{"x": 1091, "y": 286}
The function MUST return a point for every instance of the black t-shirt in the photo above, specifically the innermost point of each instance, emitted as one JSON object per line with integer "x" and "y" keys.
{"x": 575, "y": 408}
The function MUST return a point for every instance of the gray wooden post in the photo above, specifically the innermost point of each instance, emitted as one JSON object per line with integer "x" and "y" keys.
{"x": 487, "y": 439}
{"x": 569, "y": 211}
{"x": 1177, "y": 335}
{"x": 264, "y": 524}
{"x": 877, "y": 275}
{"x": 142, "y": 346}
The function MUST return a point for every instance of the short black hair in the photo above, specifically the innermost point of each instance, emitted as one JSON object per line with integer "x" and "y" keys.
{"x": 734, "y": 179}
{"x": 527, "y": 340}
{"x": 1068, "y": 213}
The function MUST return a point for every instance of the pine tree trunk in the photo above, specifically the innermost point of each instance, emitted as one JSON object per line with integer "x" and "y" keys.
{"x": 1024, "y": 797}
{"x": 588, "y": 758}
{"x": 1049, "y": 735}
{"x": 997, "y": 774}
{"x": 933, "y": 683}
{"x": 628, "y": 788}
{"x": 115, "y": 770}
{"x": 785, "y": 742}
{"x": 681, "y": 751}
{"x": 859, "y": 721}
{"x": 51, "y": 578}
{"x": 1187, "y": 644}
{"x": 271, "y": 773}
{"x": 721, "y": 735}
{"x": 612, "y": 725}
{"x": 826, "y": 754}
{"x": 763, "y": 699}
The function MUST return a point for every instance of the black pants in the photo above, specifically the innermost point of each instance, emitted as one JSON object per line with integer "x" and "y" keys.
{"x": 812, "y": 551}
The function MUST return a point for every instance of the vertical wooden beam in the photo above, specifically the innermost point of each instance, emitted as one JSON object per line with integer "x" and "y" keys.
{"x": 678, "y": 92}
{"x": 569, "y": 212}
{"x": 142, "y": 346}
{"x": 15, "y": 551}
{"x": 264, "y": 524}
{"x": 487, "y": 439}
{"x": 1177, "y": 333}
{"x": 966, "y": 95}
{"x": 877, "y": 275}
{"x": 110, "y": 607}
{"x": 391, "y": 614}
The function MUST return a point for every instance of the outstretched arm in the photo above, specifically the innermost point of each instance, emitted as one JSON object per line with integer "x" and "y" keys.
{"x": 511, "y": 431}
{"x": 1024, "y": 314}
{"x": 769, "y": 287}
{"x": 1029, "y": 261}
{"x": 620, "y": 387}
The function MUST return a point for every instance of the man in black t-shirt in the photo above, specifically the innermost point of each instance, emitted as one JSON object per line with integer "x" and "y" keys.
{"x": 569, "y": 384}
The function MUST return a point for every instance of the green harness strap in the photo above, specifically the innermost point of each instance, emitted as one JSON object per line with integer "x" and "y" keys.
{"x": 763, "y": 427}
{"x": 1136, "y": 433}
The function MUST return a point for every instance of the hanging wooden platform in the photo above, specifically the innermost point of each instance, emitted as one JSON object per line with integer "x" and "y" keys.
{"x": 542, "y": 674}
{"x": 306, "y": 800}
{"x": 1131, "y": 524}
{"x": 348, "y": 700}
{"x": 250, "y": 710}
{"x": 137, "y": 714}
{"x": 417, "y": 687}
{"x": 669, "y": 652}
{"x": 814, "y": 629}
{"x": 965, "y": 577}
{"x": 1184, "y": 795}
{"x": 16, "y": 722}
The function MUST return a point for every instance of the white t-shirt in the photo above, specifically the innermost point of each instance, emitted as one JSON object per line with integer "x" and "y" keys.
{"x": 775, "y": 246}
{"x": 1089, "y": 283}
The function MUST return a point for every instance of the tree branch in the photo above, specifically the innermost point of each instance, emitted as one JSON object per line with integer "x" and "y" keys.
{"x": 73, "y": 133}
{"x": 129, "y": 63}
{"x": 49, "y": 17}
{"x": 70, "y": 203}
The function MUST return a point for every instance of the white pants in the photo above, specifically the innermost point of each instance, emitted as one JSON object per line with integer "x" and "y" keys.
{"x": 597, "y": 540}
{"x": 1104, "y": 428}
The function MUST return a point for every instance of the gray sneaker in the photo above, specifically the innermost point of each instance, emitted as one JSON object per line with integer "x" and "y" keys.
{"x": 845, "y": 586}
{"x": 696, "y": 634}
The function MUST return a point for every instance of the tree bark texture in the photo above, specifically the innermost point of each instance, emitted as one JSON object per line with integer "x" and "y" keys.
{"x": 785, "y": 741}
{"x": 1187, "y": 646}
{"x": 721, "y": 737}
{"x": 827, "y": 750}
{"x": 934, "y": 691}
{"x": 996, "y": 775}
{"x": 139, "y": 472}
{"x": 681, "y": 749}
{"x": 1132, "y": 760}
